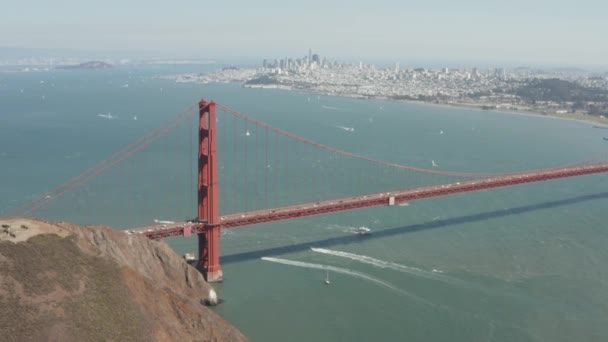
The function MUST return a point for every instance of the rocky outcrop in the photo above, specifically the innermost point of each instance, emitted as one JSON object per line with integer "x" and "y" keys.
{"x": 89, "y": 283}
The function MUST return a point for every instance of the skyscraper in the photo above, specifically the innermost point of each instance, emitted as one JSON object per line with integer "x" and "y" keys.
{"x": 309, "y": 56}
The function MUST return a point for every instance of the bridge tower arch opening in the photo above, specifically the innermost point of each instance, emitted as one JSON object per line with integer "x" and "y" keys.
{"x": 208, "y": 194}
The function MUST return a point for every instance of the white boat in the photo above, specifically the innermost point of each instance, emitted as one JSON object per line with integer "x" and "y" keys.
{"x": 163, "y": 222}
{"x": 247, "y": 133}
{"x": 106, "y": 116}
{"x": 348, "y": 129}
{"x": 327, "y": 282}
{"x": 363, "y": 231}
{"x": 434, "y": 164}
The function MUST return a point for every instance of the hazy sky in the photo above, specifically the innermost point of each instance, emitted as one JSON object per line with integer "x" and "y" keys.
{"x": 520, "y": 31}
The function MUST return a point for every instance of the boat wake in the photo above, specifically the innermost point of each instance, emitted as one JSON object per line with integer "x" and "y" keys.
{"x": 435, "y": 274}
{"x": 348, "y": 129}
{"x": 349, "y": 229}
{"x": 108, "y": 116}
{"x": 227, "y": 232}
{"x": 328, "y": 107}
{"x": 346, "y": 272}
{"x": 371, "y": 279}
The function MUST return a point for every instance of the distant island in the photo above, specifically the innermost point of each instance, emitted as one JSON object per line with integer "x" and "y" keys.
{"x": 87, "y": 66}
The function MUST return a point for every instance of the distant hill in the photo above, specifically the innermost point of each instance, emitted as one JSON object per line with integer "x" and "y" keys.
{"x": 62, "y": 282}
{"x": 87, "y": 65}
{"x": 559, "y": 91}
{"x": 262, "y": 80}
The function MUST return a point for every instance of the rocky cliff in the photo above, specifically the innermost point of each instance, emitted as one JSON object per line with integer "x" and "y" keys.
{"x": 62, "y": 282}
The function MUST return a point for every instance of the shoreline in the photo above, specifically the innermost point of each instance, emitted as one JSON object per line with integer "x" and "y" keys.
{"x": 584, "y": 118}
{"x": 580, "y": 118}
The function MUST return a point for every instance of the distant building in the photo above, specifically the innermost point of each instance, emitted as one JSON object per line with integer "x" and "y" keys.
{"x": 309, "y": 56}
{"x": 500, "y": 73}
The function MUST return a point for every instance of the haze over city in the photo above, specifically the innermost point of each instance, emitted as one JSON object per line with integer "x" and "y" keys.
{"x": 538, "y": 32}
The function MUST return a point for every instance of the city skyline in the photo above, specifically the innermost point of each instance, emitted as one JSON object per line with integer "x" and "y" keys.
{"x": 520, "y": 32}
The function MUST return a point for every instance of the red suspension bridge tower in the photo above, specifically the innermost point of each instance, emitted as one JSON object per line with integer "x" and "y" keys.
{"x": 208, "y": 194}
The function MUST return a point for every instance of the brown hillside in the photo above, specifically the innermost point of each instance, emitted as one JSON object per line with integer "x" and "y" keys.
{"x": 62, "y": 282}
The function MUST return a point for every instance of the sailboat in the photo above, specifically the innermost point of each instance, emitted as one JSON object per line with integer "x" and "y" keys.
{"x": 247, "y": 133}
{"x": 327, "y": 282}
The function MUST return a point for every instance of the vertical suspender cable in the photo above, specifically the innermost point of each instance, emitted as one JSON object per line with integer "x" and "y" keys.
{"x": 191, "y": 185}
{"x": 245, "y": 170}
{"x": 234, "y": 166}
{"x": 287, "y": 194}
{"x": 276, "y": 175}
{"x": 266, "y": 168}
{"x": 224, "y": 158}
{"x": 256, "y": 166}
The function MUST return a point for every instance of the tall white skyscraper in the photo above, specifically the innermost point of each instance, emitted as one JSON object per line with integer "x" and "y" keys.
{"x": 309, "y": 56}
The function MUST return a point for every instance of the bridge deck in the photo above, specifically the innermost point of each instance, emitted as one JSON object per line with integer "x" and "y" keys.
{"x": 239, "y": 220}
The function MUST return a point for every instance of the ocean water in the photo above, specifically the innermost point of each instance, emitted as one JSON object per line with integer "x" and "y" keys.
{"x": 518, "y": 264}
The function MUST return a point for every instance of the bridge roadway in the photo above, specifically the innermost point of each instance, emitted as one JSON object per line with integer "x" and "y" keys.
{"x": 244, "y": 219}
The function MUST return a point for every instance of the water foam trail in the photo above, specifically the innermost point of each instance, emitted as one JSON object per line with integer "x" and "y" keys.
{"x": 397, "y": 267}
{"x": 348, "y": 129}
{"x": 376, "y": 262}
{"x": 347, "y": 272}
{"x": 375, "y": 281}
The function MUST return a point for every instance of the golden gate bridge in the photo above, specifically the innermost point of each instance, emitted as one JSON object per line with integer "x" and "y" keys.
{"x": 266, "y": 175}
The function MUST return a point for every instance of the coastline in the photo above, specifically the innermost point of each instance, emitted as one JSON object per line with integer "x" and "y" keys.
{"x": 581, "y": 118}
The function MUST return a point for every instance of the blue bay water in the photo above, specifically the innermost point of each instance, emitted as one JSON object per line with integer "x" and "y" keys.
{"x": 523, "y": 263}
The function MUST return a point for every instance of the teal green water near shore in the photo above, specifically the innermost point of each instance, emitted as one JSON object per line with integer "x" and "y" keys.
{"x": 518, "y": 264}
